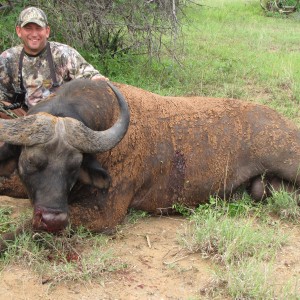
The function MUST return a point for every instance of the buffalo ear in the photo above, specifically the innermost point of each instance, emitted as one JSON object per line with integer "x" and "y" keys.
{"x": 9, "y": 155}
{"x": 92, "y": 173}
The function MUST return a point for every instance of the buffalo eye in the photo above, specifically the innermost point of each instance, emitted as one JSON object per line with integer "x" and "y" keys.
{"x": 32, "y": 162}
{"x": 74, "y": 163}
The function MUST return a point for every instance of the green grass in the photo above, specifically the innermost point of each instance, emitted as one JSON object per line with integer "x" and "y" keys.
{"x": 231, "y": 240}
{"x": 236, "y": 51}
{"x": 134, "y": 215}
{"x": 232, "y": 49}
{"x": 5, "y": 220}
{"x": 242, "y": 239}
{"x": 285, "y": 205}
{"x": 70, "y": 256}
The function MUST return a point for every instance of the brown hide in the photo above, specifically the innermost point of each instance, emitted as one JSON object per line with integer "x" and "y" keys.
{"x": 12, "y": 186}
{"x": 182, "y": 149}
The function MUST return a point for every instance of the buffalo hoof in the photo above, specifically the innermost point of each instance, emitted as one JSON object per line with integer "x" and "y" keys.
{"x": 48, "y": 220}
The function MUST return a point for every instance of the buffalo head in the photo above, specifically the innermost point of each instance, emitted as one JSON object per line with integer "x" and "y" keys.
{"x": 52, "y": 153}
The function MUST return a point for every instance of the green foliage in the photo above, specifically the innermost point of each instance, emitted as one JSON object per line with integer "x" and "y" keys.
{"x": 182, "y": 209}
{"x": 5, "y": 219}
{"x": 285, "y": 205}
{"x": 232, "y": 49}
{"x": 219, "y": 206}
{"x": 240, "y": 207}
{"x": 8, "y": 38}
{"x": 9, "y": 223}
{"x": 134, "y": 215}
{"x": 112, "y": 28}
{"x": 262, "y": 66}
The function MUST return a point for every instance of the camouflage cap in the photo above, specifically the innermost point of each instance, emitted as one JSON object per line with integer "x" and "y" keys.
{"x": 32, "y": 15}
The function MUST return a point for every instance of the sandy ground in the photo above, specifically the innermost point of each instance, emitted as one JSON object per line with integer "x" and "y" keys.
{"x": 157, "y": 268}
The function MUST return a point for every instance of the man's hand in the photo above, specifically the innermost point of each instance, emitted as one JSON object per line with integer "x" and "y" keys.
{"x": 97, "y": 77}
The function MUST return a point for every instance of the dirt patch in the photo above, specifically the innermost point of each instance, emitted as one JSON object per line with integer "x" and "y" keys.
{"x": 287, "y": 264}
{"x": 156, "y": 267}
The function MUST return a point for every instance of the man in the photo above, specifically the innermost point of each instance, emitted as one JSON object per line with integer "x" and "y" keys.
{"x": 32, "y": 71}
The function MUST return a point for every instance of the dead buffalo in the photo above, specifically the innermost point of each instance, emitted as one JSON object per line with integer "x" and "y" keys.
{"x": 176, "y": 150}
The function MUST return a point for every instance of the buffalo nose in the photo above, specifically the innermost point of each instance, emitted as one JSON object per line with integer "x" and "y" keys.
{"x": 50, "y": 221}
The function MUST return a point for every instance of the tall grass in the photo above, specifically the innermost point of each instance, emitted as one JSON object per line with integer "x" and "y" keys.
{"x": 243, "y": 244}
{"x": 285, "y": 205}
{"x": 232, "y": 49}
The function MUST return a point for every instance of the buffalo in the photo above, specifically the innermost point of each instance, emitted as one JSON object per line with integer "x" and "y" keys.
{"x": 81, "y": 162}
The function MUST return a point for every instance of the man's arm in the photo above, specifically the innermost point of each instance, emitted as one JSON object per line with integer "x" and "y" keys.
{"x": 80, "y": 68}
{"x": 6, "y": 88}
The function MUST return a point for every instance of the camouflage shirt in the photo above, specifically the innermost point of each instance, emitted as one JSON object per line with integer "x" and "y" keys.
{"x": 68, "y": 64}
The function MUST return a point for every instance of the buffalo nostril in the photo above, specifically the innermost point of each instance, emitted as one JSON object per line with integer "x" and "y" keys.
{"x": 49, "y": 221}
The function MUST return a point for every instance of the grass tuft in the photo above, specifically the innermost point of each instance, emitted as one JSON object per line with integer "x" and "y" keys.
{"x": 285, "y": 205}
{"x": 242, "y": 247}
{"x": 230, "y": 240}
{"x": 70, "y": 256}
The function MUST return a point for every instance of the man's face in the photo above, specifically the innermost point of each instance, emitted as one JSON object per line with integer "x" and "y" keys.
{"x": 34, "y": 37}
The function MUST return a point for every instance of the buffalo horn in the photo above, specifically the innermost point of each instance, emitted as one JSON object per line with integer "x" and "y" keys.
{"x": 89, "y": 141}
{"x": 29, "y": 130}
